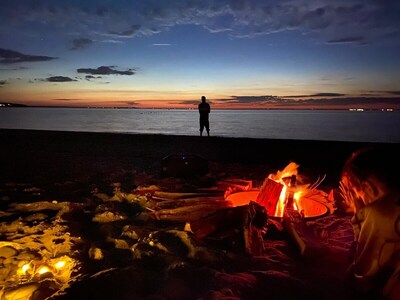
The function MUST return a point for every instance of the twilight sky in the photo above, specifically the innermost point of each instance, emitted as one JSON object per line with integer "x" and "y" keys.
{"x": 168, "y": 53}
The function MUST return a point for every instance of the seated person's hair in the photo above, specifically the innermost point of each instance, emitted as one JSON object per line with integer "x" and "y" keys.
{"x": 381, "y": 163}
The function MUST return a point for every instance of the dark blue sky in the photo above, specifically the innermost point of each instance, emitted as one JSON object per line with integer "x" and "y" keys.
{"x": 240, "y": 53}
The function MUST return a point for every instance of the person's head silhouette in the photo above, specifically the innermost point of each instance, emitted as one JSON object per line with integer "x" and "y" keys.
{"x": 203, "y": 98}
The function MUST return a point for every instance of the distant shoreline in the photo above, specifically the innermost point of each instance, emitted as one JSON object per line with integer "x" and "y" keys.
{"x": 13, "y": 105}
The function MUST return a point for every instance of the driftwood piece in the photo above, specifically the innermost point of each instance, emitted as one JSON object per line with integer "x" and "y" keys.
{"x": 234, "y": 185}
{"x": 269, "y": 195}
{"x": 189, "y": 201}
{"x": 222, "y": 220}
{"x": 159, "y": 195}
{"x": 191, "y": 212}
{"x": 301, "y": 234}
{"x": 237, "y": 228}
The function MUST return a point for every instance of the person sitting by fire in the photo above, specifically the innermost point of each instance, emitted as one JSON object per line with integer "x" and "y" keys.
{"x": 370, "y": 188}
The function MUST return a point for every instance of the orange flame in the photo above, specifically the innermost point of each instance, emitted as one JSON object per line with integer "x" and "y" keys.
{"x": 289, "y": 170}
{"x": 280, "y": 206}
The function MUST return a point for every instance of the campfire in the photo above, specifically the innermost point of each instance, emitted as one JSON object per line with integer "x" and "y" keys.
{"x": 281, "y": 190}
{"x": 289, "y": 203}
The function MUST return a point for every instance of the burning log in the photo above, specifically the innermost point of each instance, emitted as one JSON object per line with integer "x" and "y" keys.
{"x": 294, "y": 223}
{"x": 277, "y": 195}
{"x": 278, "y": 199}
{"x": 269, "y": 195}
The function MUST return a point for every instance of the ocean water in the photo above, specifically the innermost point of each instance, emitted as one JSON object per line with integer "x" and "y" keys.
{"x": 366, "y": 126}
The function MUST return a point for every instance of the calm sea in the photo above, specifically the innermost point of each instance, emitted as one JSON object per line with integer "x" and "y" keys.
{"x": 366, "y": 126}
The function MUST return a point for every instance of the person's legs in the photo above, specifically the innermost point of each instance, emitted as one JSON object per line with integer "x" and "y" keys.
{"x": 201, "y": 127}
{"x": 207, "y": 125}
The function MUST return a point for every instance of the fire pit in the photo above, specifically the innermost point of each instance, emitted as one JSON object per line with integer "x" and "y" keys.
{"x": 279, "y": 192}
{"x": 311, "y": 208}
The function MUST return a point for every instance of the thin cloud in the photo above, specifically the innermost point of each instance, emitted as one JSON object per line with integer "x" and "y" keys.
{"x": 327, "y": 95}
{"x": 327, "y": 20}
{"x": 161, "y": 45}
{"x": 372, "y": 94}
{"x": 13, "y": 69}
{"x": 90, "y": 77}
{"x": 59, "y": 79}
{"x": 81, "y": 43}
{"x": 347, "y": 40}
{"x": 297, "y": 96}
{"x": 131, "y": 103}
{"x": 290, "y": 101}
{"x": 126, "y": 33}
{"x": 253, "y": 99}
{"x": 317, "y": 95}
{"x": 11, "y": 57}
{"x": 393, "y": 92}
{"x": 65, "y": 99}
{"x": 343, "y": 102}
{"x": 106, "y": 70}
{"x": 191, "y": 102}
{"x": 112, "y": 41}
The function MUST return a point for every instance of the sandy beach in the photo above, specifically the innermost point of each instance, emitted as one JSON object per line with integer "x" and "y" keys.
{"x": 73, "y": 180}
{"x": 43, "y": 155}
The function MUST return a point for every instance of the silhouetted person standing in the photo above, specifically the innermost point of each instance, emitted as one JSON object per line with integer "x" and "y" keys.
{"x": 204, "y": 110}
